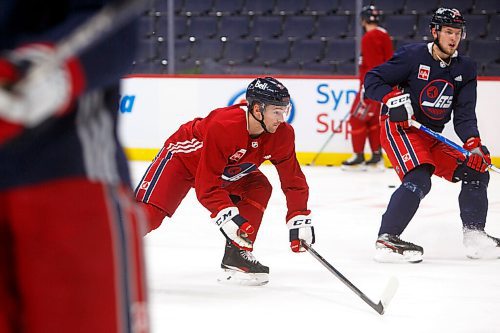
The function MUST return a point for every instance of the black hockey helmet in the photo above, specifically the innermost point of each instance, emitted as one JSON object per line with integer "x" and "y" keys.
{"x": 370, "y": 14}
{"x": 449, "y": 18}
{"x": 267, "y": 90}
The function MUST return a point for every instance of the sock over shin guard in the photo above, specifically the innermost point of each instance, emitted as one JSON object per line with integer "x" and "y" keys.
{"x": 405, "y": 200}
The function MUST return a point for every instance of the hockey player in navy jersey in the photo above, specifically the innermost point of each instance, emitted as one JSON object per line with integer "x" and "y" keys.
{"x": 70, "y": 239}
{"x": 429, "y": 83}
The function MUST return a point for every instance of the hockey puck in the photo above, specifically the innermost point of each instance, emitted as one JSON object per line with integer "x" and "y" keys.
{"x": 391, "y": 186}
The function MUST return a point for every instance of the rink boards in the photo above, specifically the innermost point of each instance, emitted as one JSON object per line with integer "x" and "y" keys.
{"x": 152, "y": 108}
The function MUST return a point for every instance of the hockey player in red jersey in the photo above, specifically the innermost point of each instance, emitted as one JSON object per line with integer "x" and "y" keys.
{"x": 70, "y": 230}
{"x": 219, "y": 156}
{"x": 376, "y": 48}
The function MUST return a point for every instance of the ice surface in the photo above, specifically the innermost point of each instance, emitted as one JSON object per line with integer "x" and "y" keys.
{"x": 445, "y": 293}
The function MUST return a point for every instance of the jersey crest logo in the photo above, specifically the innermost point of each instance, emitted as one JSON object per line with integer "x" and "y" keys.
{"x": 423, "y": 72}
{"x": 436, "y": 99}
{"x": 238, "y": 155}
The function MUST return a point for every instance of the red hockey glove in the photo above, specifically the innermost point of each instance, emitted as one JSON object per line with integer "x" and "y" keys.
{"x": 27, "y": 100}
{"x": 234, "y": 227}
{"x": 400, "y": 109}
{"x": 301, "y": 228}
{"x": 479, "y": 159}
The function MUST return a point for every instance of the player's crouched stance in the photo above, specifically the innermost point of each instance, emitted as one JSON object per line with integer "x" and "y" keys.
{"x": 436, "y": 81}
{"x": 219, "y": 156}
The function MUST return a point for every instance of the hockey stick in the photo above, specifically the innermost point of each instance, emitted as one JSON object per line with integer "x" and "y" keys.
{"x": 447, "y": 141}
{"x": 335, "y": 130}
{"x": 108, "y": 19}
{"x": 386, "y": 297}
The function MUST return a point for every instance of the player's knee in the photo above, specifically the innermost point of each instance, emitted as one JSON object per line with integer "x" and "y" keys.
{"x": 418, "y": 181}
{"x": 263, "y": 191}
{"x": 154, "y": 216}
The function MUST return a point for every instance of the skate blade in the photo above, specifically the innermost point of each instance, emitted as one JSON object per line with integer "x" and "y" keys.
{"x": 232, "y": 277}
{"x": 354, "y": 168}
{"x": 379, "y": 167}
{"x": 388, "y": 256}
{"x": 489, "y": 253}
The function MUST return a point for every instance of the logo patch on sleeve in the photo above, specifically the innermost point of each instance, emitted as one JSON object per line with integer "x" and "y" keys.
{"x": 423, "y": 72}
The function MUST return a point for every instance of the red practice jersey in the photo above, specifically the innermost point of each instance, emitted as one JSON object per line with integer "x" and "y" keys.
{"x": 376, "y": 48}
{"x": 218, "y": 151}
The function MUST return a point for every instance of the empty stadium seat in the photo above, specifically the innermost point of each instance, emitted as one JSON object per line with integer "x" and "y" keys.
{"x": 464, "y": 6}
{"x": 339, "y": 50}
{"x": 476, "y": 26}
{"x": 259, "y": 7}
{"x": 305, "y": 51}
{"x": 421, "y": 7}
{"x": 289, "y": 7}
{"x": 494, "y": 30}
{"x": 265, "y": 27}
{"x": 180, "y": 27}
{"x": 270, "y": 52}
{"x": 227, "y": 7}
{"x": 484, "y": 51}
{"x": 345, "y": 68}
{"x": 321, "y": 7}
{"x": 238, "y": 51}
{"x": 332, "y": 26}
{"x": 320, "y": 68}
{"x": 161, "y": 6}
{"x": 486, "y": 7}
{"x": 234, "y": 26}
{"x": 196, "y": 7}
{"x": 390, "y": 6}
{"x": 297, "y": 27}
{"x": 423, "y": 31}
{"x": 206, "y": 48}
{"x": 202, "y": 27}
{"x": 400, "y": 26}
{"x": 492, "y": 69}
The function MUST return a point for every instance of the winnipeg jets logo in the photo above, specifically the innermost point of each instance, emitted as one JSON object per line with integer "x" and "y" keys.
{"x": 423, "y": 72}
{"x": 436, "y": 99}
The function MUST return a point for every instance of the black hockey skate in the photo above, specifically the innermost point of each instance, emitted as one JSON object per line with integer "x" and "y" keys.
{"x": 241, "y": 267}
{"x": 479, "y": 245}
{"x": 355, "y": 163}
{"x": 390, "y": 248}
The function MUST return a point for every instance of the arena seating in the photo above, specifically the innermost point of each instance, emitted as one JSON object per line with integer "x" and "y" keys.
{"x": 297, "y": 36}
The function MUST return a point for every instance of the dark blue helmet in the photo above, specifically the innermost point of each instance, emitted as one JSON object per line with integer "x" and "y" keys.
{"x": 449, "y": 18}
{"x": 267, "y": 90}
{"x": 370, "y": 14}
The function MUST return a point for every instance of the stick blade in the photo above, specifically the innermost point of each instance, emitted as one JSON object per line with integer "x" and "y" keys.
{"x": 389, "y": 292}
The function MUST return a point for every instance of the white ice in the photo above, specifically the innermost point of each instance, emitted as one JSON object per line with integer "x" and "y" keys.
{"x": 445, "y": 293}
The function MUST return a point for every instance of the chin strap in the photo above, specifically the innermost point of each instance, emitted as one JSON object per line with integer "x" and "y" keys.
{"x": 261, "y": 122}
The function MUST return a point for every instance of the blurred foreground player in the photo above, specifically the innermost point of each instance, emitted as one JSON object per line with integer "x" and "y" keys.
{"x": 219, "y": 156}
{"x": 70, "y": 244}
{"x": 376, "y": 48}
{"x": 429, "y": 82}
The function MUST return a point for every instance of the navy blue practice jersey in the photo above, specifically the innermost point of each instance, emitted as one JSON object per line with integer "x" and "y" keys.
{"x": 437, "y": 90}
